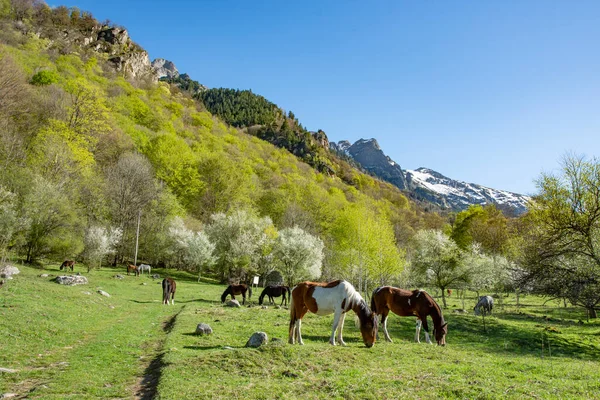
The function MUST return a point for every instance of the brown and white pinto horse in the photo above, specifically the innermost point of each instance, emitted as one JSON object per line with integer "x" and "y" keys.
{"x": 168, "y": 287}
{"x": 67, "y": 264}
{"x": 134, "y": 269}
{"x": 406, "y": 303}
{"x": 335, "y": 297}
{"x": 237, "y": 289}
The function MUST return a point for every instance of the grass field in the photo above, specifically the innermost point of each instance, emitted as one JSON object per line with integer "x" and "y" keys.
{"x": 70, "y": 342}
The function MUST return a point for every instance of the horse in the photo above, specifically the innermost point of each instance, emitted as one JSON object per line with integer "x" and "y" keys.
{"x": 168, "y": 286}
{"x": 449, "y": 292}
{"x": 406, "y": 303}
{"x": 144, "y": 267}
{"x": 134, "y": 269}
{"x": 337, "y": 297}
{"x": 485, "y": 304}
{"x": 67, "y": 264}
{"x": 275, "y": 291}
{"x": 237, "y": 289}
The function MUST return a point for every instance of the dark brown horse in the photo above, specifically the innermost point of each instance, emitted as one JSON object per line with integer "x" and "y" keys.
{"x": 168, "y": 287}
{"x": 67, "y": 264}
{"x": 337, "y": 297}
{"x": 134, "y": 269}
{"x": 406, "y": 303}
{"x": 237, "y": 289}
{"x": 275, "y": 291}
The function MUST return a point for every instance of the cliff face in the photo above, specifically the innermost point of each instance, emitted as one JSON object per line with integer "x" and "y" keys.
{"x": 370, "y": 156}
{"x": 165, "y": 68}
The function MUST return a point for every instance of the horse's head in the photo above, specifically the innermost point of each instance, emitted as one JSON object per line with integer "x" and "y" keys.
{"x": 224, "y": 295}
{"x": 368, "y": 327}
{"x": 440, "y": 334}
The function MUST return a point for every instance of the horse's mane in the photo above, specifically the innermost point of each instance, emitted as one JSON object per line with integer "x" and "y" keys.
{"x": 435, "y": 305}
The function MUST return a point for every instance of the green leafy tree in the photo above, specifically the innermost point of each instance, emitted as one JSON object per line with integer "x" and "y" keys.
{"x": 561, "y": 255}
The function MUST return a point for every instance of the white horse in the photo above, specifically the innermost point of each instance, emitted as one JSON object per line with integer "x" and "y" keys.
{"x": 144, "y": 267}
{"x": 485, "y": 305}
{"x": 336, "y": 298}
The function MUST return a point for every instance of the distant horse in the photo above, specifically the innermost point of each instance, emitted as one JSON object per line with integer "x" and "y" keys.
{"x": 449, "y": 292}
{"x": 237, "y": 289}
{"x": 168, "y": 286}
{"x": 485, "y": 305}
{"x": 134, "y": 269}
{"x": 67, "y": 264}
{"x": 406, "y": 303}
{"x": 275, "y": 291}
{"x": 337, "y": 297}
{"x": 144, "y": 267}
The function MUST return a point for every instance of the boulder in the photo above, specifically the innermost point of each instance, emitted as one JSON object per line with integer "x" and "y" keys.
{"x": 233, "y": 303}
{"x": 71, "y": 280}
{"x": 44, "y": 275}
{"x": 8, "y": 271}
{"x": 103, "y": 293}
{"x": 118, "y": 276}
{"x": 203, "y": 329}
{"x": 156, "y": 276}
{"x": 257, "y": 339}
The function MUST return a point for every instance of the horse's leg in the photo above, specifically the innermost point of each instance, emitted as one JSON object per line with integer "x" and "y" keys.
{"x": 340, "y": 329}
{"x": 418, "y": 331}
{"x": 244, "y": 298}
{"x": 427, "y": 338}
{"x": 299, "y": 332}
{"x": 384, "y": 320}
{"x": 336, "y": 322}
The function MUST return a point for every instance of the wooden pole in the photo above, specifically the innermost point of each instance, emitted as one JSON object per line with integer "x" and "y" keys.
{"x": 137, "y": 237}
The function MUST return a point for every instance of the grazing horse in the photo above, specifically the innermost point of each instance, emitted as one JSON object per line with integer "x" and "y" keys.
{"x": 449, "y": 292}
{"x": 275, "y": 291}
{"x": 337, "y": 297}
{"x": 144, "y": 267}
{"x": 406, "y": 303}
{"x": 485, "y": 305}
{"x": 168, "y": 287}
{"x": 237, "y": 289}
{"x": 134, "y": 269}
{"x": 67, "y": 264}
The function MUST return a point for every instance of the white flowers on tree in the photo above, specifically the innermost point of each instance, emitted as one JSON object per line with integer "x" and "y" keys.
{"x": 192, "y": 249}
{"x": 299, "y": 254}
{"x": 99, "y": 242}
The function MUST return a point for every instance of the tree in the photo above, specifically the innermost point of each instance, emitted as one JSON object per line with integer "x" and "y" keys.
{"x": 99, "y": 242}
{"x": 438, "y": 261}
{"x": 299, "y": 255}
{"x": 192, "y": 250}
{"x": 9, "y": 220}
{"x": 240, "y": 239}
{"x": 562, "y": 253}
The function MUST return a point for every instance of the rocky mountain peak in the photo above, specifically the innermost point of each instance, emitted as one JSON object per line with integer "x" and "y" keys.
{"x": 165, "y": 68}
{"x": 370, "y": 156}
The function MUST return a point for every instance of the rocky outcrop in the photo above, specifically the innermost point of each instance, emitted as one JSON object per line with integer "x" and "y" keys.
{"x": 321, "y": 138}
{"x": 71, "y": 280}
{"x": 370, "y": 156}
{"x": 8, "y": 271}
{"x": 165, "y": 68}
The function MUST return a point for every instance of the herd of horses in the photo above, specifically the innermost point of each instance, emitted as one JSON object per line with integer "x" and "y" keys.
{"x": 338, "y": 297}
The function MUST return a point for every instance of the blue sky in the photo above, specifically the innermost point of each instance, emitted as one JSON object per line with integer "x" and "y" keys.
{"x": 489, "y": 92}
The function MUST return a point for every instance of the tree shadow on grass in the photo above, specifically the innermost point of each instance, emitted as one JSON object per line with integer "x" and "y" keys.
{"x": 503, "y": 337}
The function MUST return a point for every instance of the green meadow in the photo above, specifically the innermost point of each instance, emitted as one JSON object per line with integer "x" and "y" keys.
{"x": 72, "y": 343}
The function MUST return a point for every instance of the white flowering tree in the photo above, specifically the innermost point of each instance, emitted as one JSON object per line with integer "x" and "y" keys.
{"x": 192, "y": 250}
{"x": 438, "y": 261}
{"x": 299, "y": 255}
{"x": 486, "y": 272}
{"x": 241, "y": 239}
{"x": 99, "y": 242}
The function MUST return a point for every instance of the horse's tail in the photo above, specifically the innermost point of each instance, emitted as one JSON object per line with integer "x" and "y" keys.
{"x": 293, "y": 317}
{"x": 165, "y": 288}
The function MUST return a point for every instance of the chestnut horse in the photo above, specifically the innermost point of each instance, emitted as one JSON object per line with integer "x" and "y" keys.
{"x": 275, "y": 291}
{"x": 67, "y": 264}
{"x": 168, "y": 286}
{"x": 237, "y": 289}
{"x": 406, "y": 303}
{"x": 337, "y": 297}
{"x": 134, "y": 269}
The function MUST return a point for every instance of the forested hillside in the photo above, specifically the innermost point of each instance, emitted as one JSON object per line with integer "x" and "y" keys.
{"x": 89, "y": 143}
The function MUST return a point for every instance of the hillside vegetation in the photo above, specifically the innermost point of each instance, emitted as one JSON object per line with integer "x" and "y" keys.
{"x": 87, "y": 141}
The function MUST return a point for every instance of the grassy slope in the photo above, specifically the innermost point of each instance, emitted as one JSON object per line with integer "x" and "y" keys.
{"x": 68, "y": 344}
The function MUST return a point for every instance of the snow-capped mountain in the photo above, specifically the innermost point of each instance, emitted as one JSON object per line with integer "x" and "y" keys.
{"x": 426, "y": 185}
{"x": 460, "y": 195}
